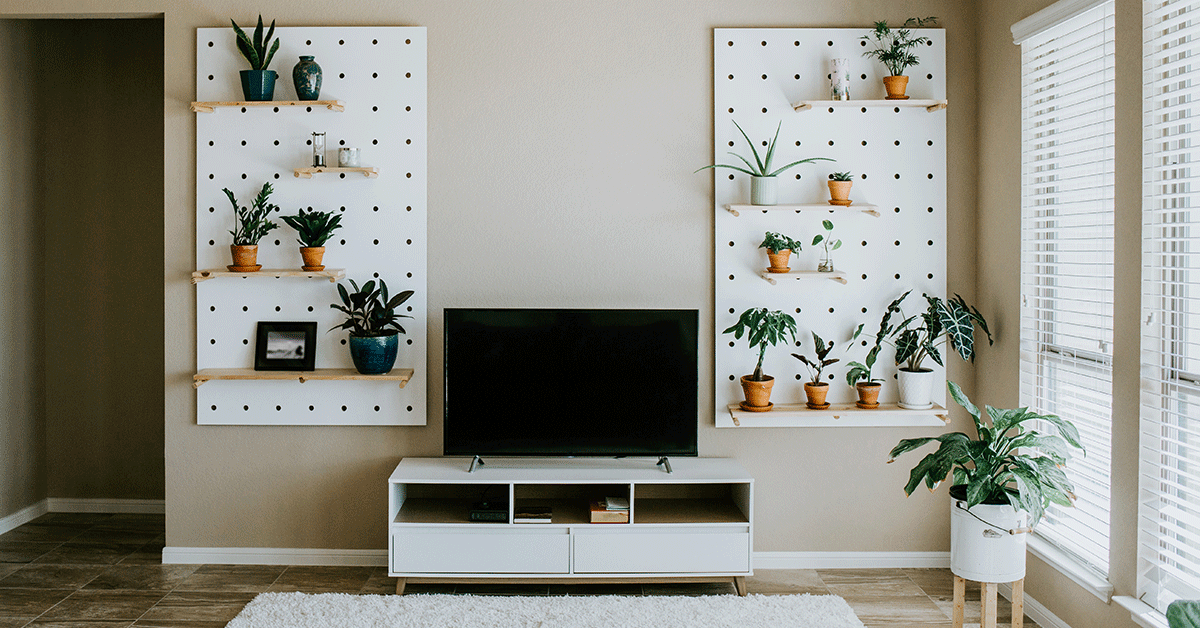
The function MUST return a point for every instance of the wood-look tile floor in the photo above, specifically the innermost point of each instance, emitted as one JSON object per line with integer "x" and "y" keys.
{"x": 106, "y": 571}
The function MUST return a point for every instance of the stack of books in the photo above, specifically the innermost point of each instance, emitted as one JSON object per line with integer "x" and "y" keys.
{"x": 532, "y": 514}
{"x": 610, "y": 510}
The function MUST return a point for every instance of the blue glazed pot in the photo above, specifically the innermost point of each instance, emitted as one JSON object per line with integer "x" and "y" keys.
{"x": 374, "y": 355}
{"x": 307, "y": 78}
{"x": 258, "y": 85}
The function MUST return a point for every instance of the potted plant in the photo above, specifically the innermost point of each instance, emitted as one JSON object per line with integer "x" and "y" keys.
{"x": 1002, "y": 482}
{"x": 314, "y": 228}
{"x": 894, "y": 50}
{"x": 258, "y": 83}
{"x": 779, "y": 248}
{"x": 916, "y": 337}
{"x": 859, "y": 375}
{"x": 815, "y": 389}
{"x": 763, "y": 328}
{"x": 839, "y": 188}
{"x": 249, "y": 226}
{"x": 762, "y": 177}
{"x": 831, "y": 245}
{"x": 372, "y": 320}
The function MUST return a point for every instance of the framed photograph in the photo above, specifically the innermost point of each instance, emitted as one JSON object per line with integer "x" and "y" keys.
{"x": 285, "y": 347}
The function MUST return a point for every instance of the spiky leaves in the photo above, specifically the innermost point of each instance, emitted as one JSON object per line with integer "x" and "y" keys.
{"x": 255, "y": 50}
{"x": 314, "y": 228}
{"x": 369, "y": 311}
{"x": 840, "y": 176}
{"x": 894, "y": 48}
{"x": 815, "y": 366}
{"x": 761, "y": 167}
{"x": 763, "y": 329}
{"x": 251, "y": 224}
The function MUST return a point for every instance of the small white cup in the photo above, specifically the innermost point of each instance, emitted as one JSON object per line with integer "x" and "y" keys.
{"x": 348, "y": 157}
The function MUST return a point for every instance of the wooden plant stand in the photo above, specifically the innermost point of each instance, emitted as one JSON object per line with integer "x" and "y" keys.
{"x": 987, "y": 617}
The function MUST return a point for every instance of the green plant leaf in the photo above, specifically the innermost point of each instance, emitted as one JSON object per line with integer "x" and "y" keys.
{"x": 753, "y": 150}
{"x": 906, "y": 345}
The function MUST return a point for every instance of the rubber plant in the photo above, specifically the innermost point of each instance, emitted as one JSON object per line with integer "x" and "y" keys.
{"x": 249, "y": 226}
{"x": 762, "y": 171}
{"x": 374, "y": 324}
{"x": 894, "y": 49}
{"x": 779, "y": 249}
{"x": 763, "y": 328}
{"x": 314, "y": 229}
{"x": 815, "y": 389}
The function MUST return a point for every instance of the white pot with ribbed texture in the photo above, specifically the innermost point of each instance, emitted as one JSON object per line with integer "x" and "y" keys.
{"x": 916, "y": 389}
{"x": 987, "y": 542}
{"x": 763, "y": 190}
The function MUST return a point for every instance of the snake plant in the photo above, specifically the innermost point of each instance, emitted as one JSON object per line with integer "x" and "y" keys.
{"x": 256, "y": 51}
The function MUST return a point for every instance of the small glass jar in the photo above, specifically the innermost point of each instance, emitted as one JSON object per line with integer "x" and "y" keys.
{"x": 318, "y": 144}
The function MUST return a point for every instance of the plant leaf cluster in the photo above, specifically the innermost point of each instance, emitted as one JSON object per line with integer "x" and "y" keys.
{"x": 1009, "y": 462}
{"x": 251, "y": 224}
{"x": 860, "y": 371}
{"x": 827, "y": 238}
{"x": 763, "y": 329}
{"x": 256, "y": 51}
{"x": 369, "y": 311}
{"x": 840, "y": 176}
{"x": 894, "y": 48}
{"x": 917, "y": 337}
{"x": 314, "y": 228}
{"x": 777, "y": 242}
{"x": 822, "y": 360}
{"x": 761, "y": 167}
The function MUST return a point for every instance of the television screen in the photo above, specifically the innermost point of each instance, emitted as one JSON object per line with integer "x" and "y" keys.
{"x": 552, "y": 382}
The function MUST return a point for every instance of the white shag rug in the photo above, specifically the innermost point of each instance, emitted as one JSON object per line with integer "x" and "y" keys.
{"x": 340, "y": 610}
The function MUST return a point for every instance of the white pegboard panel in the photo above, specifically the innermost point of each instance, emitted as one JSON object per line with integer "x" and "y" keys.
{"x": 380, "y": 75}
{"x": 898, "y": 157}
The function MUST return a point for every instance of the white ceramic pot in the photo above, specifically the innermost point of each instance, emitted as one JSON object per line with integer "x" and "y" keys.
{"x": 916, "y": 389}
{"x": 762, "y": 190}
{"x": 987, "y": 543}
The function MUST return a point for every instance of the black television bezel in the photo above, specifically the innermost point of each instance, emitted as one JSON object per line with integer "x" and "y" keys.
{"x": 694, "y": 452}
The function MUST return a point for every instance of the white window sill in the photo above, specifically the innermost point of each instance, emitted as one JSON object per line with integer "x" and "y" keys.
{"x": 1142, "y": 613}
{"x": 1072, "y": 568}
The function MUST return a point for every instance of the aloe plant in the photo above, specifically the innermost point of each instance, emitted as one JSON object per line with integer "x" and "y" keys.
{"x": 763, "y": 329}
{"x": 314, "y": 228}
{"x": 251, "y": 224}
{"x": 1007, "y": 462}
{"x": 761, "y": 167}
{"x": 894, "y": 48}
{"x": 815, "y": 366}
{"x": 369, "y": 312}
{"x": 778, "y": 242}
{"x": 256, "y": 51}
{"x": 840, "y": 176}
{"x": 944, "y": 321}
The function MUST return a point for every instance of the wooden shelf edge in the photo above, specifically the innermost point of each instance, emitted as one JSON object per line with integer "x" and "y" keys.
{"x": 307, "y": 173}
{"x": 332, "y": 274}
{"x": 401, "y": 375}
{"x": 930, "y": 104}
{"x": 211, "y": 105}
{"x": 737, "y": 208}
{"x": 798, "y": 415}
{"x": 801, "y": 275}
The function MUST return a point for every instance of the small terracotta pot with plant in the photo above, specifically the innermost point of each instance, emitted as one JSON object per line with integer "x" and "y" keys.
{"x": 859, "y": 375}
{"x": 314, "y": 228}
{"x": 839, "y": 188}
{"x": 249, "y": 226}
{"x": 763, "y": 329}
{"x": 815, "y": 389}
{"x": 779, "y": 249}
{"x": 893, "y": 48}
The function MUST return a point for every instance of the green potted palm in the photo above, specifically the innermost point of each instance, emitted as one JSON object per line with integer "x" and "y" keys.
{"x": 859, "y": 376}
{"x": 763, "y": 189}
{"x": 815, "y": 389}
{"x": 839, "y": 188}
{"x": 250, "y": 224}
{"x": 779, "y": 249}
{"x": 830, "y": 244}
{"x": 372, "y": 320}
{"x": 762, "y": 328}
{"x": 894, "y": 49}
{"x": 314, "y": 228}
{"x": 1002, "y": 482}
{"x": 258, "y": 83}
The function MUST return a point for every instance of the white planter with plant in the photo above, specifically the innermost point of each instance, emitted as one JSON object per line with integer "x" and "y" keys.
{"x": 762, "y": 178}
{"x": 1002, "y": 482}
{"x": 250, "y": 224}
{"x": 763, "y": 328}
{"x": 815, "y": 389}
{"x": 894, "y": 49}
{"x": 779, "y": 249}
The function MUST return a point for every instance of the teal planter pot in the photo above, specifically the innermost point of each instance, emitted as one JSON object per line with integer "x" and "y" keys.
{"x": 258, "y": 85}
{"x": 374, "y": 355}
{"x": 307, "y": 78}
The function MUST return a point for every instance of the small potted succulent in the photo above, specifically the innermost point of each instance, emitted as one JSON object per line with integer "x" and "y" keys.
{"x": 893, "y": 48}
{"x": 372, "y": 320}
{"x": 830, "y": 244}
{"x": 258, "y": 83}
{"x": 815, "y": 389}
{"x": 314, "y": 228}
{"x": 763, "y": 329}
{"x": 839, "y": 188}
{"x": 859, "y": 375}
{"x": 762, "y": 177}
{"x": 779, "y": 248}
{"x": 249, "y": 226}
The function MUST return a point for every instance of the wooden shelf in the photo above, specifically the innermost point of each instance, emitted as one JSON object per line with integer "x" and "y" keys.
{"x": 839, "y": 415}
{"x": 929, "y": 104}
{"x": 205, "y": 375}
{"x": 307, "y": 173}
{"x": 332, "y": 274}
{"x": 676, "y": 511}
{"x": 801, "y": 275}
{"x": 873, "y": 210}
{"x": 209, "y": 107}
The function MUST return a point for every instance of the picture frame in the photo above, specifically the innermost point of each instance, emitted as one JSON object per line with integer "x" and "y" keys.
{"x": 285, "y": 346}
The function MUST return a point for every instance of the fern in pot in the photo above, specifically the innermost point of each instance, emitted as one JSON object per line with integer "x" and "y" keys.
{"x": 1002, "y": 482}
{"x": 250, "y": 224}
{"x": 763, "y": 328}
{"x": 763, "y": 188}
{"x": 373, "y": 323}
{"x": 314, "y": 229}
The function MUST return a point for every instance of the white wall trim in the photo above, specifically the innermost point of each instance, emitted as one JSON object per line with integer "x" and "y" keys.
{"x": 1051, "y": 16}
{"x": 1142, "y": 613}
{"x": 107, "y": 506}
{"x": 1034, "y": 609}
{"x": 1071, "y": 567}
{"x": 850, "y": 560}
{"x": 23, "y": 516}
{"x": 273, "y": 556}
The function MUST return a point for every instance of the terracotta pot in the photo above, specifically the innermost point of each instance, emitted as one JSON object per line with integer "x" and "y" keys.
{"x": 839, "y": 192}
{"x": 245, "y": 256}
{"x": 758, "y": 394}
{"x": 779, "y": 260}
{"x": 895, "y": 86}
{"x": 816, "y": 395}
{"x": 312, "y": 257}
{"x": 868, "y": 394}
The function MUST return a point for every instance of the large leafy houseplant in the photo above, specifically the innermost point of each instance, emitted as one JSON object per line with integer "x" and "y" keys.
{"x": 763, "y": 328}
{"x": 252, "y": 223}
{"x": 369, "y": 312}
{"x": 893, "y": 48}
{"x": 944, "y": 321}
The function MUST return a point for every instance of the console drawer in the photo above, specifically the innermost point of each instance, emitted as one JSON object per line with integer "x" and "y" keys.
{"x": 480, "y": 551}
{"x": 663, "y": 550}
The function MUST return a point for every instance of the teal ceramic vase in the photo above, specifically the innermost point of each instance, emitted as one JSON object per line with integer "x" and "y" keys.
{"x": 307, "y": 78}
{"x": 258, "y": 85}
{"x": 374, "y": 355}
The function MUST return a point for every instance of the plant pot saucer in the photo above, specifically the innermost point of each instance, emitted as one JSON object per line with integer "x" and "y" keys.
{"x": 817, "y": 407}
{"x": 779, "y": 270}
{"x": 749, "y": 408}
{"x": 867, "y": 406}
{"x": 895, "y": 97}
{"x": 313, "y": 269}
{"x": 245, "y": 269}
{"x": 840, "y": 203}
{"x": 912, "y": 407}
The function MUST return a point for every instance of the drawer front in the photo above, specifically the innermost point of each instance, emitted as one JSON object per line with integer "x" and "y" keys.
{"x": 491, "y": 551}
{"x": 677, "y": 550}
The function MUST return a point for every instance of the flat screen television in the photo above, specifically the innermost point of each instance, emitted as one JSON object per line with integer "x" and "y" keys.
{"x": 570, "y": 382}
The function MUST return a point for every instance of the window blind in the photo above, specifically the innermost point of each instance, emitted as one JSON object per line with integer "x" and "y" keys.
{"x": 1067, "y": 200}
{"x": 1169, "y": 494}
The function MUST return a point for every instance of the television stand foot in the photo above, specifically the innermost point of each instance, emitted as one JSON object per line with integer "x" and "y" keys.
{"x": 474, "y": 462}
{"x": 739, "y": 583}
{"x": 400, "y": 582}
{"x": 664, "y": 463}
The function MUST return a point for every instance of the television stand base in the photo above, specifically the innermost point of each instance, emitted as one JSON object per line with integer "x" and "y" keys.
{"x": 475, "y": 461}
{"x": 739, "y": 582}
{"x": 664, "y": 463}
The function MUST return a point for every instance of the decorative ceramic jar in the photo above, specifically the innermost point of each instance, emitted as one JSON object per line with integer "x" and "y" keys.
{"x": 307, "y": 78}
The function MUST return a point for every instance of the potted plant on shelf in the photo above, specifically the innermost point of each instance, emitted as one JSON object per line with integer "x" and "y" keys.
{"x": 815, "y": 389}
{"x": 779, "y": 248}
{"x": 831, "y": 245}
{"x": 763, "y": 329}
{"x": 859, "y": 375}
{"x": 762, "y": 177}
{"x": 372, "y": 320}
{"x": 258, "y": 83}
{"x": 249, "y": 226}
{"x": 314, "y": 228}
{"x": 917, "y": 337}
{"x": 839, "y": 188}
{"x": 894, "y": 50}
{"x": 1002, "y": 482}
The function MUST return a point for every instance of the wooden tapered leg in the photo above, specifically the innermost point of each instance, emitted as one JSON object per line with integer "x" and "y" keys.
{"x": 739, "y": 583}
{"x": 960, "y": 600}
{"x": 1018, "y": 604}
{"x": 988, "y": 615}
{"x": 400, "y": 582}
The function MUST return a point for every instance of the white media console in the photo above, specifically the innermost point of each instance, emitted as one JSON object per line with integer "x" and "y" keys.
{"x": 692, "y": 525}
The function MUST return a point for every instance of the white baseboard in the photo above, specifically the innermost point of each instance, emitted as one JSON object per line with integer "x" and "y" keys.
{"x": 108, "y": 506}
{"x": 1034, "y": 609}
{"x": 23, "y": 516}
{"x": 850, "y": 560}
{"x": 273, "y": 556}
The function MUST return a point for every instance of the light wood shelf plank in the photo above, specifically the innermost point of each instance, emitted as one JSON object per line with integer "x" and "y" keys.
{"x": 205, "y": 375}
{"x": 802, "y": 275}
{"x": 736, "y": 209}
{"x": 839, "y": 415}
{"x": 332, "y": 274}
{"x": 930, "y": 104}
{"x": 307, "y": 173}
{"x": 210, "y": 106}
{"x": 676, "y": 511}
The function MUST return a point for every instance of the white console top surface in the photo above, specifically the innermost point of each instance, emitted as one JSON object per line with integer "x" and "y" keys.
{"x": 568, "y": 471}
